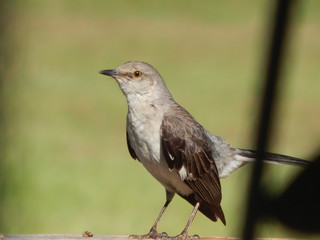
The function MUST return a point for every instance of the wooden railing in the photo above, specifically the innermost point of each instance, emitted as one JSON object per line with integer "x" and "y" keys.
{"x": 101, "y": 237}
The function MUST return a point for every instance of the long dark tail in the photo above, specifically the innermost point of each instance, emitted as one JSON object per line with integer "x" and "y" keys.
{"x": 275, "y": 158}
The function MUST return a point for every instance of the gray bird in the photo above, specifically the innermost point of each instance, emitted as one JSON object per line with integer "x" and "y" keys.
{"x": 175, "y": 149}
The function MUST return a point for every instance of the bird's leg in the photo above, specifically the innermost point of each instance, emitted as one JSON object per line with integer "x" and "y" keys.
{"x": 153, "y": 230}
{"x": 184, "y": 234}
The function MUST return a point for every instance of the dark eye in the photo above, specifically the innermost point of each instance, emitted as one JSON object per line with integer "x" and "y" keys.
{"x": 137, "y": 74}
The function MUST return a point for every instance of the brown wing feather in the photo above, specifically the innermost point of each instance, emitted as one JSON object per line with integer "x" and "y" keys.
{"x": 185, "y": 144}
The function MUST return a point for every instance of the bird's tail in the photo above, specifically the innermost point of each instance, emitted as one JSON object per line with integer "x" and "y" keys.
{"x": 274, "y": 158}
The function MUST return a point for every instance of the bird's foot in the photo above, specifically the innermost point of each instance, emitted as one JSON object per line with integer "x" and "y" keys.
{"x": 193, "y": 237}
{"x": 181, "y": 236}
{"x": 153, "y": 234}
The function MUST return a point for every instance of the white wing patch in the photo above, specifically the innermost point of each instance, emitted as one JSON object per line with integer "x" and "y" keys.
{"x": 183, "y": 173}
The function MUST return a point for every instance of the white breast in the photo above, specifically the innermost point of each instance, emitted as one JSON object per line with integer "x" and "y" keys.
{"x": 143, "y": 127}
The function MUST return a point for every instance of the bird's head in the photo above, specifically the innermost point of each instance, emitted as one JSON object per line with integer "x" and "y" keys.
{"x": 138, "y": 78}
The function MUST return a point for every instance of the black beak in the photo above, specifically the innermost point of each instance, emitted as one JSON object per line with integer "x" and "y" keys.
{"x": 110, "y": 73}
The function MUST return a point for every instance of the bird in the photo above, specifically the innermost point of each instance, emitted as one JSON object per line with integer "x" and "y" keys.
{"x": 175, "y": 148}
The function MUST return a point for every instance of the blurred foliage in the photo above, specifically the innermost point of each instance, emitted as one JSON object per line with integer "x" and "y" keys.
{"x": 67, "y": 168}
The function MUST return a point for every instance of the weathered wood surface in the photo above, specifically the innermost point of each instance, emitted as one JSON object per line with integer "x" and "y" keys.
{"x": 99, "y": 237}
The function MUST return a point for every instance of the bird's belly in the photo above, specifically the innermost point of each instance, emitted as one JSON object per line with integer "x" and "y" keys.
{"x": 171, "y": 180}
{"x": 145, "y": 140}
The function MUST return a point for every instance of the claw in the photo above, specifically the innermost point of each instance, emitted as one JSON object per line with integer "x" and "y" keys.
{"x": 153, "y": 234}
{"x": 195, "y": 236}
{"x": 164, "y": 234}
{"x": 183, "y": 237}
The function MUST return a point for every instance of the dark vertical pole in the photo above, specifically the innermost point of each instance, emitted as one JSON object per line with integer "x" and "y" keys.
{"x": 268, "y": 104}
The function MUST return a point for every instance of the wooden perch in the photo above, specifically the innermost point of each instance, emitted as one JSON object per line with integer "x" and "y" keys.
{"x": 99, "y": 237}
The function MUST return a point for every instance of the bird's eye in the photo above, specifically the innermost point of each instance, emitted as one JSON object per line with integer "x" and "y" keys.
{"x": 137, "y": 74}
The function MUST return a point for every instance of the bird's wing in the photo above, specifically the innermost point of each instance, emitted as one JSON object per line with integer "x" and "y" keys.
{"x": 131, "y": 151}
{"x": 187, "y": 151}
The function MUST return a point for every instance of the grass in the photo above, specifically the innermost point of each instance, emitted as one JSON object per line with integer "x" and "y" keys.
{"x": 67, "y": 167}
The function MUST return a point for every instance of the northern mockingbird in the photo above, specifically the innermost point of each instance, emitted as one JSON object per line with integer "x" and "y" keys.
{"x": 177, "y": 150}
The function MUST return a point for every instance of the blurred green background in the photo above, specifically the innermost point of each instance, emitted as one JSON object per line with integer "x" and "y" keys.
{"x": 66, "y": 167}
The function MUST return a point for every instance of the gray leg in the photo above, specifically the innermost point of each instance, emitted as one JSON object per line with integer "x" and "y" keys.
{"x": 153, "y": 231}
{"x": 184, "y": 234}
